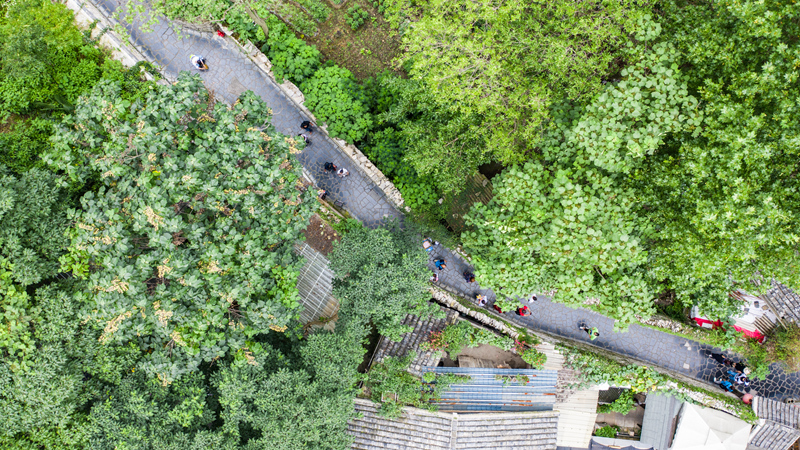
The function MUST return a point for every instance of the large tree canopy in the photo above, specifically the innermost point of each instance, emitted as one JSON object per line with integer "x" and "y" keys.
{"x": 499, "y": 65}
{"x": 381, "y": 277}
{"x": 725, "y": 200}
{"x": 187, "y": 246}
{"x": 570, "y": 222}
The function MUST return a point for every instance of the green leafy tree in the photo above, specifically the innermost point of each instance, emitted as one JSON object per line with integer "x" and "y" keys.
{"x": 271, "y": 401}
{"x": 33, "y": 218}
{"x": 499, "y": 66}
{"x": 570, "y": 222}
{"x": 725, "y": 200}
{"x": 187, "y": 246}
{"x": 381, "y": 277}
{"x": 45, "y": 62}
{"x": 140, "y": 413}
{"x": 47, "y": 391}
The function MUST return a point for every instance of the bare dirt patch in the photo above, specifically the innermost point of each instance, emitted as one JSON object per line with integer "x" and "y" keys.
{"x": 320, "y": 236}
{"x": 367, "y": 51}
{"x": 498, "y": 357}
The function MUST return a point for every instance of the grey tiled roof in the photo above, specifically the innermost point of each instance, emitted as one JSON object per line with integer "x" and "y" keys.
{"x": 423, "y": 430}
{"x": 779, "y": 412}
{"x": 773, "y": 436}
{"x": 785, "y": 301}
{"x": 778, "y": 428}
{"x": 412, "y": 340}
{"x": 660, "y": 413}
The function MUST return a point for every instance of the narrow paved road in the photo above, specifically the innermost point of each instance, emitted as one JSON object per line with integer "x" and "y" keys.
{"x": 232, "y": 73}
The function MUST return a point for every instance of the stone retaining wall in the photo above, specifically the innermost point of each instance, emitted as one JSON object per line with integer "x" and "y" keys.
{"x": 448, "y": 297}
{"x": 121, "y": 48}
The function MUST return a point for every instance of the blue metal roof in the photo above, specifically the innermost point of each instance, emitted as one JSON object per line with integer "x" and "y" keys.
{"x": 493, "y": 390}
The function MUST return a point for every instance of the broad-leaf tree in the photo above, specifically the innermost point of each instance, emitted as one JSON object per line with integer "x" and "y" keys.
{"x": 381, "y": 277}
{"x": 33, "y": 218}
{"x": 504, "y": 63}
{"x": 284, "y": 403}
{"x": 570, "y": 222}
{"x": 725, "y": 201}
{"x": 187, "y": 246}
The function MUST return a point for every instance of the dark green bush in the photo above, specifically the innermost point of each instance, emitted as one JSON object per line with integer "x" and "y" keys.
{"x": 356, "y": 16}
{"x": 335, "y": 97}
{"x": 291, "y": 57}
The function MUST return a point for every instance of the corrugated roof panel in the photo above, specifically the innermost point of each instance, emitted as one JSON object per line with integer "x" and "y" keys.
{"x": 491, "y": 389}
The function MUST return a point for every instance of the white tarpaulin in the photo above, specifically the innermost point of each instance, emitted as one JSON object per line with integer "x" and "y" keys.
{"x": 708, "y": 429}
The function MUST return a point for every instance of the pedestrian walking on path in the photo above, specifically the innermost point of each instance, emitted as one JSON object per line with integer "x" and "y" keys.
{"x": 593, "y": 332}
{"x": 305, "y": 138}
{"x": 482, "y": 300}
{"x": 435, "y": 278}
{"x": 532, "y": 298}
{"x": 440, "y": 264}
{"x": 469, "y": 276}
{"x": 330, "y": 167}
{"x": 428, "y": 244}
{"x": 342, "y": 172}
{"x": 306, "y": 125}
{"x": 523, "y": 311}
{"x": 199, "y": 62}
{"x": 724, "y": 384}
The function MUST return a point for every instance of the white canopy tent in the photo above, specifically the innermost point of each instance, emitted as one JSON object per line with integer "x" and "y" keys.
{"x": 708, "y": 429}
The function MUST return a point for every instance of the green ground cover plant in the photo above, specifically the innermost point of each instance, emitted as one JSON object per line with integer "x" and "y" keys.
{"x": 454, "y": 338}
{"x": 335, "y": 97}
{"x": 393, "y": 387}
{"x": 356, "y": 16}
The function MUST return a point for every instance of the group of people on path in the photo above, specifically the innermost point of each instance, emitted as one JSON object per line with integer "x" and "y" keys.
{"x": 734, "y": 376}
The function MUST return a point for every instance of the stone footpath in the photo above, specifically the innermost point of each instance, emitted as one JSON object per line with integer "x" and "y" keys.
{"x": 235, "y": 69}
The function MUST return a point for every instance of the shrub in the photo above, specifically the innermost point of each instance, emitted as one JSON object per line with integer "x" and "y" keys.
{"x": 392, "y": 386}
{"x": 784, "y": 347}
{"x": 335, "y": 97}
{"x": 386, "y": 152}
{"x": 606, "y": 432}
{"x": 531, "y": 356}
{"x": 623, "y": 405}
{"x": 356, "y": 16}
{"x": 453, "y": 338}
{"x": 290, "y": 56}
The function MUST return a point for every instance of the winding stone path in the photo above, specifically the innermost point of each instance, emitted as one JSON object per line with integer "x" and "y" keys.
{"x": 232, "y": 73}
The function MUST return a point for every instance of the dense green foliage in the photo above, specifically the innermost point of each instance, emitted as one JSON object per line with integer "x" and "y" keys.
{"x": 725, "y": 199}
{"x": 290, "y": 56}
{"x": 495, "y": 67}
{"x": 46, "y": 61}
{"x": 622, "y": 405}
{"x": 189, "y": 241}
{"x": 385, "y": 150}
{"x": 607, "y": 431}
{"x": 391, "y": 385}
{"x": 335, "y": 97}
{"x": 453, "y": 338}
{"x": 33, "y": 217}
{"x": 381, "y": 277}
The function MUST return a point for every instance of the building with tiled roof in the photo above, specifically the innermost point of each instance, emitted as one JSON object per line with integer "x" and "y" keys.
{"x": 418, "y": 429}
{"x": 411, "y": 341}
{"x": 778, "y": 425}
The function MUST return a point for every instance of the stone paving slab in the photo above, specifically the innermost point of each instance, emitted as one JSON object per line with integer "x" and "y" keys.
{"x": 232, "y": 72}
